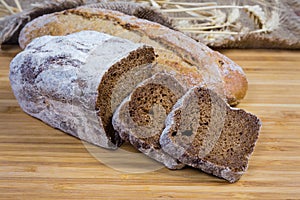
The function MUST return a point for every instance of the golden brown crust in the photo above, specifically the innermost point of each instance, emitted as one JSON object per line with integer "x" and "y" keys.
{"x": 196, "y": 62}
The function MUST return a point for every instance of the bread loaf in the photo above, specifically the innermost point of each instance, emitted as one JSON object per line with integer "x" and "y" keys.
{"x": 140, "y": 119}
{"x": 198, "y": 64}
{"x": 69, "y": 81}
{"x": 202, "y": 131}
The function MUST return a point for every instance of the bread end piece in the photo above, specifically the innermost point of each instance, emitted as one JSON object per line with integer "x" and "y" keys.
{"x": 202, "y": 131}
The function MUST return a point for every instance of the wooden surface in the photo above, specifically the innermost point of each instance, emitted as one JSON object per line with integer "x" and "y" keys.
{"x": 38, "y": 162}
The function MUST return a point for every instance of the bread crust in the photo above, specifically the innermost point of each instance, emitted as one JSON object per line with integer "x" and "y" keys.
{"x": 198, "y": 64}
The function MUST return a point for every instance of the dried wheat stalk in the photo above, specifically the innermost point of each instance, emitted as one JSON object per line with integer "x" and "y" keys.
{"x": 11, "y": 25}
{"x": 6, "y": 9}
{"x": 18, "y": 5}
{"x": 7, "y": 6}
{"x": 10, "y": 9}
{"x": 196, "y": 11}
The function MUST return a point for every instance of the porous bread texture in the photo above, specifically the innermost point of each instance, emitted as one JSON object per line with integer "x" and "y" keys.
{"x": 196, "y": 63}
{"x": 140, "y": 117}
{"x": 202, "y": 131}
{"x": 68, "y": 81}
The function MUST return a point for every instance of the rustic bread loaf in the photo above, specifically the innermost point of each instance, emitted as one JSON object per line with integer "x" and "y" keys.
{"x": 202, "y": 131}
{"x": 198, "y": 64}
{"x": 140, "y": 118}
{"x": 72, "y": 82}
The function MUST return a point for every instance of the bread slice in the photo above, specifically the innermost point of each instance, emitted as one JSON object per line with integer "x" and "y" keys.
{"x": 202, "y": 131}
{"x": 75, "y": 82}
{"x": 195, "y": 62}
{"x": 140, "y": 119}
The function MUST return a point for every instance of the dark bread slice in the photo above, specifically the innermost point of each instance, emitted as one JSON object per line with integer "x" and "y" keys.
{"x": 140, "y": 119}
{"x": 202, "y": 131}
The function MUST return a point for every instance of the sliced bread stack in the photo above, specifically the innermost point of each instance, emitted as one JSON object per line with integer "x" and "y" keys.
{"x": 104, "y": 90}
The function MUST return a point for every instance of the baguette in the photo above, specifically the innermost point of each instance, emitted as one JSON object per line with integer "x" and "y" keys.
{"x": 195, "y": 62}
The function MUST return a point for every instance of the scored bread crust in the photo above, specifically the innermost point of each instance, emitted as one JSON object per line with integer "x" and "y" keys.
{"x": 218, "y": 139}
{"x": 198, "y": 64}
{"x": 144, "y": 135}
{"x": 58, "y": 79}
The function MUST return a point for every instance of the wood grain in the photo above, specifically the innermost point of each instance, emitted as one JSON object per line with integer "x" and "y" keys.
{"x": 38, "y": 162}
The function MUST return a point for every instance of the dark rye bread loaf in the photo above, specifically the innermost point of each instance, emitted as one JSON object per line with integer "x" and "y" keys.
{"x": 72, "y": 82}
{"x": 202, "y": 131}
{"x": 195, "y": 62}
{"x": 140, "y": 118}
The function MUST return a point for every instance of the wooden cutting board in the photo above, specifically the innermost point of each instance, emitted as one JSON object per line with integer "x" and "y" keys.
{"x": 38, "y": 162}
